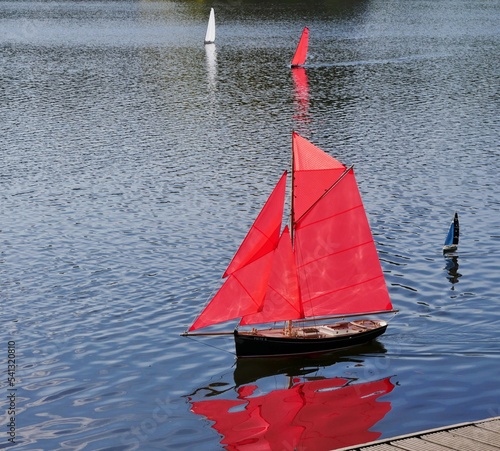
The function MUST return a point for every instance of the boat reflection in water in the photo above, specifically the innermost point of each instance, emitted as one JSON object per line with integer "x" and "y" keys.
{"x": 301, "y": 116}
{"x": 452, "y": 269}
{"x": 307, "y": 412}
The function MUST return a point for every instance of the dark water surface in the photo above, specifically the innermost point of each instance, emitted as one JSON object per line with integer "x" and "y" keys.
{"x": 133, "y": 160}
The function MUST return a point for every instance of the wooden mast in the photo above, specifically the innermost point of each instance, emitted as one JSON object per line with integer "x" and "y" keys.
{"x": 292, "y": 220}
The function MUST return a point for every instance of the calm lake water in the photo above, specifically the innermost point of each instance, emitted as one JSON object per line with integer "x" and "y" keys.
{"x": 133, "y": 160}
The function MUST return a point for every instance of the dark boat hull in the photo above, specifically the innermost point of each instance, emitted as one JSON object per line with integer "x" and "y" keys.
{"x": 249, "y": 345}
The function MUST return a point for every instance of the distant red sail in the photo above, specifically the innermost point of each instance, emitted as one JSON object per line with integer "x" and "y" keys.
{"x": 301, "y": 52}
{"x": 301, "y": 96}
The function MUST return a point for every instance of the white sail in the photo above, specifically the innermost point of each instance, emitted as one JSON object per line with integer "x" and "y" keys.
{"x": 210, "y": 36}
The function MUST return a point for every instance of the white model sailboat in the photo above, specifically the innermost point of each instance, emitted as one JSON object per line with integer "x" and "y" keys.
{"x": 210, "y": 36}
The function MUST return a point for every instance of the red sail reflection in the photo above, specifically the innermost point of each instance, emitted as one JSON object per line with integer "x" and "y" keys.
{"x": 322, "y": 414}
{"x": 301, "y": 97}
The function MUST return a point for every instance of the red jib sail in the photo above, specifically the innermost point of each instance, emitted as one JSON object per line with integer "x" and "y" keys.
{"x": 248, "y": 273}
{"x": 263, "y": 236}
{"x": 301, "y": 52}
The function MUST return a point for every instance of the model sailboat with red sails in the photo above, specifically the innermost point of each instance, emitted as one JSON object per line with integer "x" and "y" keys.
{"x": 324, "y": 265}
{"x": 300, "y": 55}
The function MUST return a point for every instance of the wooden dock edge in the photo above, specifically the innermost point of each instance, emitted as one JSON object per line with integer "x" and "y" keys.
{"x": 388, "y": 441}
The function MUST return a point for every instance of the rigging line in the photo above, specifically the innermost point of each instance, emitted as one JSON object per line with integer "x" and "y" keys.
{"x": 395, "y": 312}
{"x": 211, "y": 346}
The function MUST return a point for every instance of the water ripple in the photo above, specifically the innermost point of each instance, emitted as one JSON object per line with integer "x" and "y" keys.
{"x": 133, "y": 162}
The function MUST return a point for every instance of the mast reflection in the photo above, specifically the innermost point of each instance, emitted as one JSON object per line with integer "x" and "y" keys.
{"x": 452, "y": 269}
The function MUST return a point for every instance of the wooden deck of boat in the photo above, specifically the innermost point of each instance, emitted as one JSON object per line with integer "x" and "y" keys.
{"x": 319, "y": 331}
{"x": 481, "y": 435}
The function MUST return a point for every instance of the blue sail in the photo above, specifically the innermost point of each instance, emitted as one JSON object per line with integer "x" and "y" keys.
{"x": 451, "y": 240}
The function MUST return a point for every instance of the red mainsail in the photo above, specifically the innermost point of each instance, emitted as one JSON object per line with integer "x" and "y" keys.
{"x": 338, "y": 266}
{"x": 301, "y": 52}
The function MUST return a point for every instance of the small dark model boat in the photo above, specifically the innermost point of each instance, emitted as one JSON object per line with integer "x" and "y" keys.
{"x": 451, "y": 241}
{"x": 324, "y": 266}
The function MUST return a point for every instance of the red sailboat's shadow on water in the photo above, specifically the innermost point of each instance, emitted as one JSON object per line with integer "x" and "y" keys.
{"x": 307, "y": 413}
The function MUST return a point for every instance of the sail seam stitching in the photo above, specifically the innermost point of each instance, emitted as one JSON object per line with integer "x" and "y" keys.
{"x": 344, "y": 288}
{"x": 335, "y": 253}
